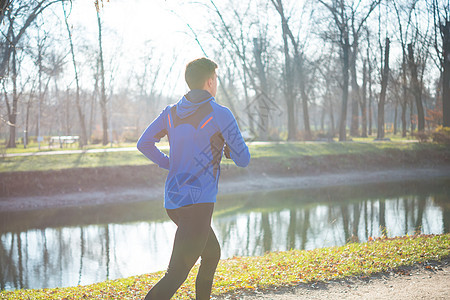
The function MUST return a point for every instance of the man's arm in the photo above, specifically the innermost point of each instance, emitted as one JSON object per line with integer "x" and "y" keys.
{"x": 153, "y": 134}
{"x": 235, "y": 148}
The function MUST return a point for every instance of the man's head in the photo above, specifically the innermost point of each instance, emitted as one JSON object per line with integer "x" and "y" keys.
{"x": 201, "y": 74}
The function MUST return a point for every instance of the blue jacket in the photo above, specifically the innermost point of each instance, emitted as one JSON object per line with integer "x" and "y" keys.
{"x": 197, "y": 128}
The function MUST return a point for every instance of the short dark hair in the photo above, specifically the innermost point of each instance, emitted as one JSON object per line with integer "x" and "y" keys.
{"x": 198, "y": 71}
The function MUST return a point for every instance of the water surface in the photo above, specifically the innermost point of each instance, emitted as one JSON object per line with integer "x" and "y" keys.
{"x": 71, "y": 246}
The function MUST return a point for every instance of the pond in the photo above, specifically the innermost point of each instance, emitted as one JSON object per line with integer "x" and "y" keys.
{"x": 72, "y": 246}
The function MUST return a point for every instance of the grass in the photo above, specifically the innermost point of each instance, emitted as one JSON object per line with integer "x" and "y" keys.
{"x": 33, "y": 147}
{"x": 275, "y": 150}
{"x": 275, "y": 269}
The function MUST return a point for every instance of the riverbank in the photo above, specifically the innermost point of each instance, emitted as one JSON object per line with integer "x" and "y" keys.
{"x": 295, "y": 270}
{"x": 273, "y": 166}
{"x": 242, "y": 184}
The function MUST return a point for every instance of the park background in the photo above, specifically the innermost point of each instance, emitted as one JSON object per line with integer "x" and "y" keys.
{"x": 344, "y": 106}
{"x": 288, "y": 70}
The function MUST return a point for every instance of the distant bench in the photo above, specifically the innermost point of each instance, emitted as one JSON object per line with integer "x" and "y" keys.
{"x": 63, "y": 140}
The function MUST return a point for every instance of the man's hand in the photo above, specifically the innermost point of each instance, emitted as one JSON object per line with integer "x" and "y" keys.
{"x": 227, "y": 151}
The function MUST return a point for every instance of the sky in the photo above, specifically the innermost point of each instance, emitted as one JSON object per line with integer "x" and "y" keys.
{"x": 137, "y": 28}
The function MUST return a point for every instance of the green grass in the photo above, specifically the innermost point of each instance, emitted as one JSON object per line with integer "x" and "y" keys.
{"x": 275, "y": 269}
{"x": 33, "y": 147}
{"x": 275, "y": 150}
{"x": 67, "y": 161}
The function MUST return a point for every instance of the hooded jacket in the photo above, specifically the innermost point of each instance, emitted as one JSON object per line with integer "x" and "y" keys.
{"x": 197, "y": 128}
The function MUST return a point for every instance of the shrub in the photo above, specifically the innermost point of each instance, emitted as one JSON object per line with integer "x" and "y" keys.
{"x": 129, "y": 136}
{"x": 441, "y": 135}
{"x": 421, "y": 136}
{"x": 95, "y": 140}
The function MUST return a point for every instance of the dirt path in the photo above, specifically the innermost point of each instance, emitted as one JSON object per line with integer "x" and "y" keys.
{"x": 429, "y": 281}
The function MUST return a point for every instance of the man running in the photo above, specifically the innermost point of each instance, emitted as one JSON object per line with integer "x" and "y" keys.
{"x": 198, "y": 128}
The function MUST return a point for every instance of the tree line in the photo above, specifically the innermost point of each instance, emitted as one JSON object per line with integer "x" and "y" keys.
{"x": 294, "y": 70}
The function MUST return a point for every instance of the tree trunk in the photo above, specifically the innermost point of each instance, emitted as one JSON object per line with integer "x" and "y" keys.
{"x": 304, "y": 95}
{"x": 12, "y": 114}
{"x": 416, "y": 88}
{"x": 384, "y": 82}
{"x": 354, "y": 126}
{"x": 332, "y": 127}
{"x": 322, "y": 118}
{"x": 27, "y": 18}
{"x": 92, "y": 110}
{"x": 67, "y": 124}
{"x": 345, "y": 71}
{"x": 306, "y": 125}
{"x": 445, "y": 33}
{"x": 355, "y": 116}
{"x": 291, "y": 117}
{"x": 370, "y": 98}
{"x": 395, "y": 118}
{"x": 83, "y": 135}
{"x": 103, "y": 100}
{"x": 289, "y": 94}
{"x": 404, "y": 101}
{"x": 264, "y": 117}
{"x": 27, "y": 121}
{"x": 356, "y": 96}
{"x": 364, "y": 102}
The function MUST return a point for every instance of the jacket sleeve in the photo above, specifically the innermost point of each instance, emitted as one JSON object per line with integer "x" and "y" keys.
{"x": 230, "y": 131}
{"x": 153, "y": 134}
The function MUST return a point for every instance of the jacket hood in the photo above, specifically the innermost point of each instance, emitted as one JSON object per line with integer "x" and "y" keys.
{"x": 192, "y": 101}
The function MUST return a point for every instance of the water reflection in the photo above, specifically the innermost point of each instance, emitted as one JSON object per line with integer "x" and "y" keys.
{"x": 66, "y": 247}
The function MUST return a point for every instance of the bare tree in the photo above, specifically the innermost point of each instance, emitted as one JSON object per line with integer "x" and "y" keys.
{"x": 403, "y": 32}
{"x": 83, "y": 135}
{"x": 31, "y": 95}
{"x": 3, "y": 8}
{"x": 416, "y": 87}
{"x": 363, "y": 101}
{"x": 288, "y": 73}
{"x": 258, "y": 50}
{"x": 103, "y": 99}
{"x": 15, "y": 21}
{"x": 441, "y": 17}
{"x": 19, "y": 16}
{"x": 297, "y": 70}
{"x": 12, "y": 109}
{"x": 384, "y": 83}
{"x": 345, "y": 17}
{"x": 230, "y": 44}
{"x": 369, "y": 104}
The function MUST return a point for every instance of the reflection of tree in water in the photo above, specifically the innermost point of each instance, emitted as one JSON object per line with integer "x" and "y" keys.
{"x": 266, "y": 232}
{"x": 382, "y": 217}
{"x": 106, "y": 249}
{"x": 304, "y": 229}
{"x": 249, "y": 226}
{"x": 406, "y": 210}
{"x": 420, "y": 209}
{"x": 7, "y": 263}
{"x": 366, "y": 223}
{"x": 442, "y": 200}
{"x": 20, "y": 258}
{"x": 356, "y": 217}
{"x": 81, "y": 254}
{"x": 291, "y": 229}
{"x": 345, "y": 222}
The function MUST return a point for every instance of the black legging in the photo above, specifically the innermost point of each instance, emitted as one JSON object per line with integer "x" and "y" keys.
{"x": 194, "y": 238}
